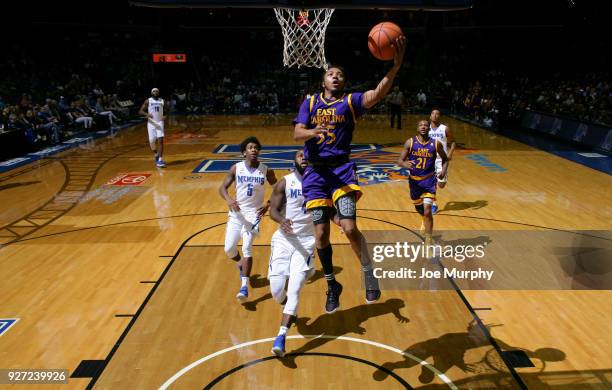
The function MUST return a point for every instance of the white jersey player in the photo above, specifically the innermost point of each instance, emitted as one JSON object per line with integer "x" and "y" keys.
{"x": 292, "y": 247}
{"x": 153, "y": 109}
{"x": 441, "y": 133}
{"x": 246, "y": 209}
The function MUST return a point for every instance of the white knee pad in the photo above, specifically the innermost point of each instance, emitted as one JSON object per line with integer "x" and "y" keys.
{"x": 231, "y": 251}
{"x": 296, "y": 282}
{"x": 277, "y": 287}
{"x": 247, "y": 244}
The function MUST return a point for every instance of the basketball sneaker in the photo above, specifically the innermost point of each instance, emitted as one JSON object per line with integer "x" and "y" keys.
{"x": 243, "y": 294}
{"x": 333, "y": 298}
{"x": 372, "y": 296}
{"x": 372, "y": 288}
{"x": 160, "y": 163}
{"x": 278, "y": 348}
{"x": 434, "y": 209}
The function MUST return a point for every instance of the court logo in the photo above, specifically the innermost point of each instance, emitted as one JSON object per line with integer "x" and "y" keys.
{"x": 6, "y": 324}
{"x": 128, "y": 179}
{"x": 14, "y": 161}
{"x": 374, "y": 164}
{"x": 483, "y": 161}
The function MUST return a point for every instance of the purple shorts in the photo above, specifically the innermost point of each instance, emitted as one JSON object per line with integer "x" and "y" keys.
{"x": 322, "y": 185}
{"x": 421, "y": 189}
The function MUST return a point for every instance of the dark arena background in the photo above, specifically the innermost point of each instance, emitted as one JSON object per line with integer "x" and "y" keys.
{"x": 116, "y": 267}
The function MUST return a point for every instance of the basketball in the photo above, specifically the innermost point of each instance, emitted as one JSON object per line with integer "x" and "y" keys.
{"x": 381, "y": 38}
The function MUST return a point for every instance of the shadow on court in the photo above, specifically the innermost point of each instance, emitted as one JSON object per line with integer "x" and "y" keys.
{"x": 459, "y": 206}
{"x": 340, "y": 323}
{"x": 448, "y": 351}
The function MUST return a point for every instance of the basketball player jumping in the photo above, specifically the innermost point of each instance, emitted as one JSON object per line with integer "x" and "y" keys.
{"x": 442, "y": 133}
{"x": 419, "y": 157}
{"x": 292, "y": 247}
{"x": 247, "y": 209}
{"x": 325, "y": 123}
{"x": 153, "y": 109}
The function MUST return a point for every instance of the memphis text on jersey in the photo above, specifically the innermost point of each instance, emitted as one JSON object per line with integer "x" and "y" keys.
{"x": 251, "y": 179}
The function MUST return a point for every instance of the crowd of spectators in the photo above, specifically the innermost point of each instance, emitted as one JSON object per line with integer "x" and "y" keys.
{"x": 84, "y": 83}
{"x": 51, "y": 121}
{"x": 588, "y": 98}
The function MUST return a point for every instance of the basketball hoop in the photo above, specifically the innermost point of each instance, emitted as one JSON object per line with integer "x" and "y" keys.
{"x": 304, "y": 36}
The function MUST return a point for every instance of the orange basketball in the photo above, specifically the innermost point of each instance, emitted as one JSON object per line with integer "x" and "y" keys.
{"x": 380, "y": 39}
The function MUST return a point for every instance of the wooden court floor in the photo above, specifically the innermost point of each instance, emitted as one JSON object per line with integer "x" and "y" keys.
{"x": 135, "y": 278}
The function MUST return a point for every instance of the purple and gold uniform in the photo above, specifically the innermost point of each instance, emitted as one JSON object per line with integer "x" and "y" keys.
{"x": 422, "y": 178}
{"x": 330, "y": 174}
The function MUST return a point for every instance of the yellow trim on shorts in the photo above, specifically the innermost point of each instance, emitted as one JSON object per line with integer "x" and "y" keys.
{"x": 421, "y": 177}
{"x": 347, "y": 189}
{"x": 423, "y": 196}
{"x": 311, "y": 204}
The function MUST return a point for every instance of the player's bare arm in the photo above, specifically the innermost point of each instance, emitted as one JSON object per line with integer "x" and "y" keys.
{"x": 271, "y": 177}
{"x": 227, "y": 182}
{"x": 450, "y": 139}
{"x": 444, "y": 158}
{"x": 303, "y": 134}
{"x": 402, "y": 160}
{"x": 277, "y": 201}
{"x": 143, "y": 109}
{"x": 373, "y": 96}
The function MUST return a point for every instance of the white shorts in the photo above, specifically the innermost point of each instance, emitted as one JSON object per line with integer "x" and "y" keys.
{"x": 240, "y": 225}
{"x": 156, "y": 130}
{"x": 290, "y": 254}
{"x": 439, "y": 169}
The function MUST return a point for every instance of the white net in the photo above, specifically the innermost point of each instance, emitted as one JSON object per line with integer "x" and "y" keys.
{"x": 304, "y": 36}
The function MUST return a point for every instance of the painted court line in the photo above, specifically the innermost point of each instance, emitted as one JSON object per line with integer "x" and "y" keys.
{"x": 186, "y": 369}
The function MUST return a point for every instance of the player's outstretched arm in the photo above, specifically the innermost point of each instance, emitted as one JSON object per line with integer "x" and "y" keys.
{"x": 444, "y": 158}
{"x": 402, "y": 160}
{"x": 144, "y": 108}
{"x": 373, "y": 96}
{"x": 277, "y": 200}
{"x": 227, "y": 182}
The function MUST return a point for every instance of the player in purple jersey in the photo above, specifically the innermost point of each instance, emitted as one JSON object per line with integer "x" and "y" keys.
{"x": 325, "y": 123}
{"x": 419, "y": 156}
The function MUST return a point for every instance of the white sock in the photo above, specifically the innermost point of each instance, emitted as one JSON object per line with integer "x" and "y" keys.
{"x": 245, "y": 280}
{"x": 283, "y": 330}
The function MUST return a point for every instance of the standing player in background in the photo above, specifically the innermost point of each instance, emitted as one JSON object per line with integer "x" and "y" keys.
{"x": 442, "y": 133}
{"x": 419, "y": 157}
{"x": 292, "y": 247}
{"x": 153, "y": 109}
{"x": 325, "y": 123}
{"x": 396, "y": 100}
{"x": 246, "y": 210}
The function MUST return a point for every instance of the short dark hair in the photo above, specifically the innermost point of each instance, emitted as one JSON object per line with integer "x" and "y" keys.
{"x": 333, "y": 66}
{"x": 247, "y": 141}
